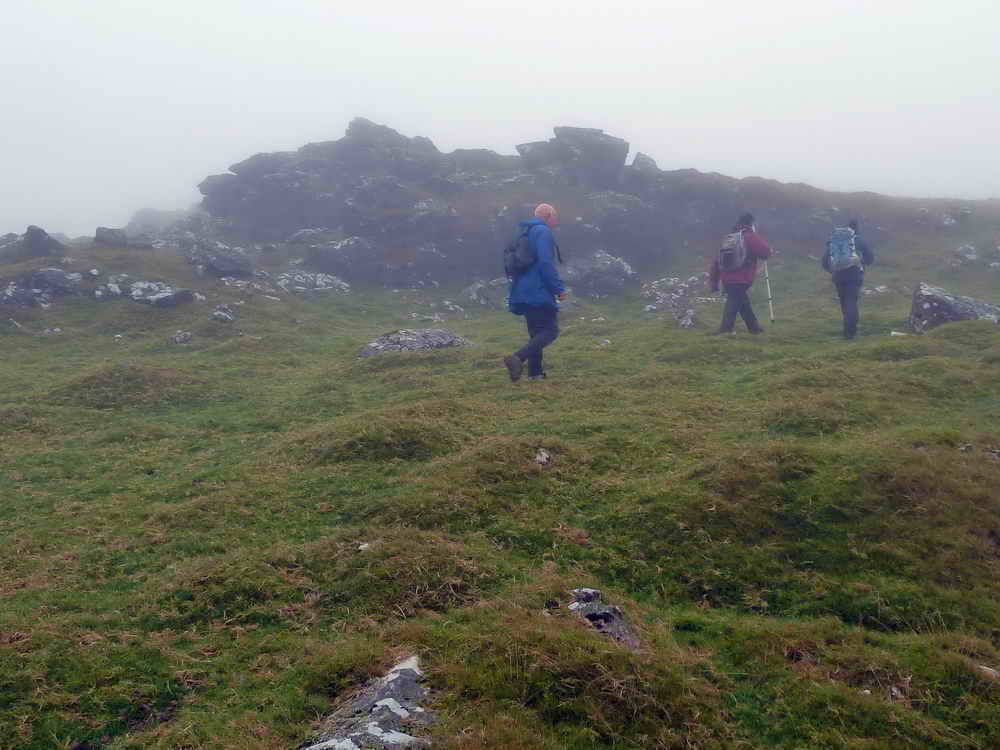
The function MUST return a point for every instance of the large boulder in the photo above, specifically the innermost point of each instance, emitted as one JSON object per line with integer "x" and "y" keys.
{"x": 34, "y": 243}
{"x": 109, "y": 237}
{"x": 600, "y": 275}
{"x": 933, "y": 306}
{"x": 220, "y": 259}
{"x": 159, "y": 294}
{"x": 585, "y": 157}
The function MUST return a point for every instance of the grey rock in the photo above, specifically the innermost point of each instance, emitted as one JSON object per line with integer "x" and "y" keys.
{"x": 645, "y": 164}
{"x": 933, "y": 306}
{"x": 676, "y": 296}
{"x": 608, "y": 619}
{"x": 601, "y": 275}
{"x": 385, "y": 714}
{"x": 224, "y": 314}
{"x": 109, "y": 237}
{"x": 413, "y": 341}
{"x": 491, "y": 294}
{"x": 34, "y": 243}
{"x": 220, "y": 259}
{"x": 159, "y": 294}
{"x": 304, "y": 282}
{"x": 52, "y": 281}
{"x": 182, "y": 337}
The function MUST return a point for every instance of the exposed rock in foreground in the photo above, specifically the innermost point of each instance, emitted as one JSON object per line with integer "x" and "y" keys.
{"x": 413, "y": 341}
{"x": 676, "y": 297}
{"x": 608, "y": 619}
{"x": 933, "y": 306}
{"x": 383, "y": 715}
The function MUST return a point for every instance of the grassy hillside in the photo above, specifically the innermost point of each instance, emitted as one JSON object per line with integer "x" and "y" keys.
{"x": 805, "y": 531}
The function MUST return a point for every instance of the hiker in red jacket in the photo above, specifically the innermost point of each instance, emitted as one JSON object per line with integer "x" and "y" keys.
{"x": 736, "y": 283}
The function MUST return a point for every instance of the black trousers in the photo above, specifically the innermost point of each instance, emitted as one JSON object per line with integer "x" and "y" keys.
{"x": 848, "y": 291}
{"x": 543, "y": 328}
{"x": 738, "y": 303}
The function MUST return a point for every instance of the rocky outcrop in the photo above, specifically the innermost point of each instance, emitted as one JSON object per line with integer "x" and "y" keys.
{"x": 39, "y": 288}
{"x": 607, "y": 618}
{"x": 413, "y": 341}
{"x": 387, "y": 713}
{"x": 34, "y": 243}
{"x": 122, "y": 238}
{"x": 491, "y": 294}
{"x": 678, "y": 297}
{"x": 933, "y": 306}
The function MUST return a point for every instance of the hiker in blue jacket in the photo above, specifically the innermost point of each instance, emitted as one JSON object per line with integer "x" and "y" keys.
{"x": 534, "y": 294}
{"x": 849, "y": 274}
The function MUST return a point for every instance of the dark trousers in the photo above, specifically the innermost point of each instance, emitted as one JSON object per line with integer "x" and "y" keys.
{"x": 543, "y": 328}
{"x": 848, "y": 292}
{"x": 738, "y": 303}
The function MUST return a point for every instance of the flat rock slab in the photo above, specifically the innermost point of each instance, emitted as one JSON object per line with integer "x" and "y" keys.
{"x": 385, "y": 714}
{"x": 413, "y": 341}
{"x": 933, "y": 306}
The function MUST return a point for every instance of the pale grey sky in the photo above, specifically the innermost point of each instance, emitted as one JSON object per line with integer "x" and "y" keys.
{"x": 112, "y": 105}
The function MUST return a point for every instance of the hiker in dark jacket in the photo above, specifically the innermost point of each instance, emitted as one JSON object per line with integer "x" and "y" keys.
{"x": 849, "y": 281}
{"x": 533, "y": 294}
{"x": 737, "y": 283}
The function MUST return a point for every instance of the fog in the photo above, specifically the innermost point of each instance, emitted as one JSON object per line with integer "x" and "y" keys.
{"x": 112, "y": 105}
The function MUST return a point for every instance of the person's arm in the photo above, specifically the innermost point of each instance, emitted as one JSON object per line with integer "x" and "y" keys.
{"x": 757, "y": 246}
{"x": 545, "y": 248}
{"x": 713, "y": 275}
{"x": 826, "y": 258}
{"x": 867, "y": 255}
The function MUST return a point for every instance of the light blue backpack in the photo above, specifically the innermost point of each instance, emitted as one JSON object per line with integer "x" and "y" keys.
{"x": 843, "y": 252}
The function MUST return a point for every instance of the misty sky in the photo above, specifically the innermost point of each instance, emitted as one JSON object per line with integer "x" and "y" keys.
{"x": 112, "y": 105}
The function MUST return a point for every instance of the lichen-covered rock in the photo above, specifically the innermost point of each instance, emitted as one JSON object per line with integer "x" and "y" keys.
{"x": 676, "y": 296}
{"x": 413, "y": 341}
{"x": 182, "y": 337}
{"x": 600, "y": 275}
{"x": 386, "y": 714}
{"x": 304, "y": 282}
{"x": 224, "y": 314}
{"x": 159, "y": 294}
{"x": 933, "y": 306}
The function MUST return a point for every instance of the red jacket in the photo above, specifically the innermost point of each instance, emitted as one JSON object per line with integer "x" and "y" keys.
{"x": 757, "y": 248}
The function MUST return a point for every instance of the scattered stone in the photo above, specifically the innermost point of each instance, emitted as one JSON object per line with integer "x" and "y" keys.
{"x": 303, "y": 282}
{"x": 159, "y": 294}
{"x": 933, "y": 306}
{"x": 52, "y": 331}
{"x": 413, "y": 341}
{"x": 898, "y": 333}
{"x": 543, "y": 457}
{"x": 224, "y": 314}
{"x": 871, "y": 291}
{"x": 491, "y": 294}
{"x": 384, "y": 714}
{"x": 15, "y": 324}
{"x": 182, "y": 337}
{"x": 363, "y": 546}
{"x": 94, "y": 273}
{"x": 605, "y": 342}
{"x": 608, "y": 619}
{"x": 119, "y": 338}
{"x": 677, "y": 297}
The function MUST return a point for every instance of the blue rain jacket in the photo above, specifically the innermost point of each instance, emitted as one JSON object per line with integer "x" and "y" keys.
{"x": 540, "y": 284}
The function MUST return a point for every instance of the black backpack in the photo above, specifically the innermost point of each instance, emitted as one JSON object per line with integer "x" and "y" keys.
{"x": 519, "y": 256}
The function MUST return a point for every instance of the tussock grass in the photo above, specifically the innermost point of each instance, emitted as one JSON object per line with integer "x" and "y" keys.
{"x": 789, "y": 520}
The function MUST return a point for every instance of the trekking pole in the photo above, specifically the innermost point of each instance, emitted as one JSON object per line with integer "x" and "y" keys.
{"x": 770, "y": 297}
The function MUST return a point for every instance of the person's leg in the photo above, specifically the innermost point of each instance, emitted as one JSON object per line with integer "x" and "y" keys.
{"x": 732, "y": 308}
{"x": 543, "y": 327}
{"x": 849, "y": 292}
{"x": 746, "y": 311}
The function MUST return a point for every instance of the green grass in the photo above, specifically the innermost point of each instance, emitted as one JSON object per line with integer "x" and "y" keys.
{"x": 797, "y": 525}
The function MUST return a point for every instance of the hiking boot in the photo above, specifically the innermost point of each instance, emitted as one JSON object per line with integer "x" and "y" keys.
{"x": 540, "y": 376}
{"x": 514, "y": 367}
